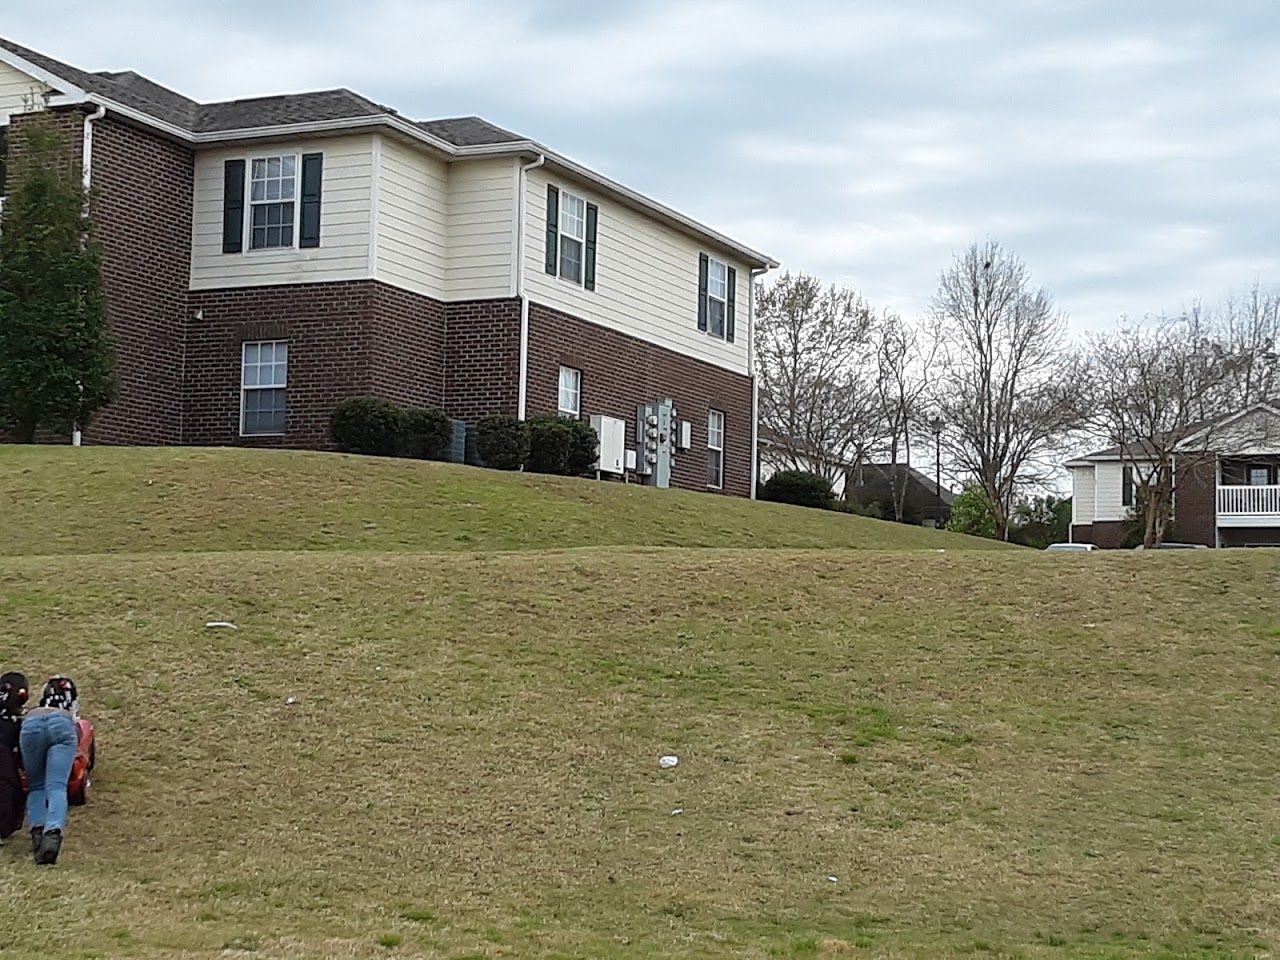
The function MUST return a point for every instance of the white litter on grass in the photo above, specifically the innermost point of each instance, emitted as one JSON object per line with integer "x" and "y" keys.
{"x": 221, "y": 624}
{"x": 834, "y": 879}
{"x": 677, "y": 811}
{"x": 290, "y": 701}
{"x": 666, "y": 763}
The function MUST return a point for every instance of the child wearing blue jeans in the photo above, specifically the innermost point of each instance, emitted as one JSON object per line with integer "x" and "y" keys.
{"x": 48, "y": 742}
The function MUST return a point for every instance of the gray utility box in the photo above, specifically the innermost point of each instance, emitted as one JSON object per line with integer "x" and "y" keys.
{"x": 656, "y": 428}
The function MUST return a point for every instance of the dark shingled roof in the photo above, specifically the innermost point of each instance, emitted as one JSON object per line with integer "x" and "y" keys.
{"x": 469, "y": 131}
{"x": 146, "y": 96}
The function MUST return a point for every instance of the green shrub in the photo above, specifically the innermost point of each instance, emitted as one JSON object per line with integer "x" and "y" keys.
{"x": 366, "y": 425}
{"x": 502, "y": 442}
{"x": 798, "y": 487}
{"x": 563, "y": 447}
{"x": 424, "y": 433}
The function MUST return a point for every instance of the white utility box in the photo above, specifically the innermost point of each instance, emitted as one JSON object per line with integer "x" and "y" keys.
{"x": 684, "y": 439}
{"x": 613, "y": 443}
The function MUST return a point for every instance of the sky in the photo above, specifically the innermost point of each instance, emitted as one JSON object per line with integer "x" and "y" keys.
{"x": 1127, "y": 151}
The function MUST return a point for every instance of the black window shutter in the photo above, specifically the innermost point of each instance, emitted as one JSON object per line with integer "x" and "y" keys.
{"x": 233, "y": 206}
{"x": 312, "y": 175}
{"x": 730, "y": 304}
{"x": 1126, "y": 492}
{"x": 702, "y": 291}
{"x": 589, "y": 259}
{"x": 553, "y": 228}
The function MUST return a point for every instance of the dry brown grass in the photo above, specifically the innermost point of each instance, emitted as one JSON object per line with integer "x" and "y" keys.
{"x": 994, "y": 754}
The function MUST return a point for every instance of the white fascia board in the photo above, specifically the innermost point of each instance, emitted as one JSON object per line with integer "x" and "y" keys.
{"x": 638, "y": 200}
{"x": 71, "y": 93}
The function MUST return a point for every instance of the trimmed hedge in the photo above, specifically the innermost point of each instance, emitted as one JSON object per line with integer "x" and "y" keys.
{"x": 380, "y": 428}
{"x": 799, "y": 488}
{"x": 502, "y": 442}
{"x": 366, "y": 425}
{"x": 559, "y": 446}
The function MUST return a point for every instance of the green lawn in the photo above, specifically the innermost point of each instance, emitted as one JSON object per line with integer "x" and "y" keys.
{"x": 995, "y": 754}
{"x": 63, "y": 500}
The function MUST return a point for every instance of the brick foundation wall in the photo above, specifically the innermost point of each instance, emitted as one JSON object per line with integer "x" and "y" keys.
{"x": 1250, "y": 536}
{"x": 141, "y": 206}
{"x": 620, "y": 372}
{"x": 1105, "y": 534}
{"x": 483, "y": 349}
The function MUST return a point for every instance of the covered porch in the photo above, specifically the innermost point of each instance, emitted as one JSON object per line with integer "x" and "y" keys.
{"x": 1249, "y": 492}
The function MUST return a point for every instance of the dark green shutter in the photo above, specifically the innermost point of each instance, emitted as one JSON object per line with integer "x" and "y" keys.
{"x": 233, "y": 206}
{"x": 589, "y": 260}
{"x": 553, "y": 228}
{"x": 1126, "y": 493}
{"x": 730, "y": 303}
{"x": 702, "y": 291}
{"x": 312, "y": 174}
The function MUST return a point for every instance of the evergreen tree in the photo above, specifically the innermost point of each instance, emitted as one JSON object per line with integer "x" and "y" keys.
{"x": 56, "y": 364}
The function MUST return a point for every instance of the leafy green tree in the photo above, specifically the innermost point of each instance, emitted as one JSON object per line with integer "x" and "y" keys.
{"x": 971, "y": 513}
{"x": 56, "y": 365}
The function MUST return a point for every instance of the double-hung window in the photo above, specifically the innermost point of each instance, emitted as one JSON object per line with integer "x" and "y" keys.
{"x": 717, "y": 296}
{"x": 573, "y": 236}
{"x": 570, "y": 392}
{"x": 264, "y": 376}
{"x": 272, "y": 191}
{"x": 715, "y": 450}
{"x": 1259, "y": 475}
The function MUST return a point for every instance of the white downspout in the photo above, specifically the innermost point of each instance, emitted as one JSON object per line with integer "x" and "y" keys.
{"x": 755, "y": 383}
{"x": 522, "y": 401}
{"x": 86, "y": 174}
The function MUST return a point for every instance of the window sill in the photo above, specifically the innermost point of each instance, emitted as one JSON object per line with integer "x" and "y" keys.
{"x": 259, "y": 436}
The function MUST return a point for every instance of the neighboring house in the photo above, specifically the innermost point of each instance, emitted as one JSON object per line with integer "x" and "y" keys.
{"x": 266, "y": 258}
{"x": 1226, "y": 484}
{"x": 923, "y": 501}
{"x": 776, "y": 455}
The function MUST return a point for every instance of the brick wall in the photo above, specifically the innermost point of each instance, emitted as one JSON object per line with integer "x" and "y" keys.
{"x": 1195, "y": 507}
{"x": 406, "y": 347}
{"x": 482, "y": 375}
{"x": 329, "y": 348}
{"x": 142, "y": 218}
{"x": 621, "y": 372}
{"x": 1106, "y": 534}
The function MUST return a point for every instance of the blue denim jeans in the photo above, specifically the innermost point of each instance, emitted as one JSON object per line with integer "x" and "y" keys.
{"x": 48, "y": 750}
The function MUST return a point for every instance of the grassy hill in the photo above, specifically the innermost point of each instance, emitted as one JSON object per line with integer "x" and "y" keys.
{"x": 886, "y": 753}
{"x": 62, "y": 500}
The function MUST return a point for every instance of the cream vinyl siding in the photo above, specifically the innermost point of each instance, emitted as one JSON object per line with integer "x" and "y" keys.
{"x": 646, "y": 278}
{"x": 16, "y": 89}
{"x": 1082, "y": 495}
{"x": 413, "y": 214}
{"x": 481, "y": 229}
{"x": 1109, "y": 489}
{"x": 345, "y": 216}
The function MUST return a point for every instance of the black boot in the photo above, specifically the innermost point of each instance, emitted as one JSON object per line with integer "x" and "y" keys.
{"x": 50, "y": 844}
{"x": 36, "y": 834}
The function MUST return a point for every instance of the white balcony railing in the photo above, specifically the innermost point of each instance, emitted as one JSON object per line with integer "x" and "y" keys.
{"x": 1248, "y": 501}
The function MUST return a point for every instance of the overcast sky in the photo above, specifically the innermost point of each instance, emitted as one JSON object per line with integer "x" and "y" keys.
{"x": 1128, "y": 151}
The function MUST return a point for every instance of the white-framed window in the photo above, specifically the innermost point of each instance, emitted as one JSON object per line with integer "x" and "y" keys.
{"x": 264, "y": 377}
{"x": 570, "y": 392}
{"x": 715, "y": 450}
{"x": 273, "y": 190}
{"x": 1259, "y": 475}
{"x": 573, "y": 236}
{"x": 717, "y": 296}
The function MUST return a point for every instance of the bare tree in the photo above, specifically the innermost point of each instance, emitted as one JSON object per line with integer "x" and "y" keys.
{"x": 1249, "y": 330}
{"x": 1006, "y": 391}
{"x": 1163, "y": 389}
{"x": 812, "y": 351}
{"x": 904, "y": 359}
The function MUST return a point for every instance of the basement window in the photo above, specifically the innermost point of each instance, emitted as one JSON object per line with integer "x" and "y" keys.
{"x": 570, "y": 392}
{"x": 715, "y": 450}
{"x": 264, "y": 376}
{"x": 272, "y": 189}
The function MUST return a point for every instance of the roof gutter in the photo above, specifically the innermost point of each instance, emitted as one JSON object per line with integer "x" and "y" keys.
{"x": 517, "y": 273}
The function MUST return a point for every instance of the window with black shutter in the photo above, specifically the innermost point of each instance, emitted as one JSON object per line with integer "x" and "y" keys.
{"x": 272, "y": 203}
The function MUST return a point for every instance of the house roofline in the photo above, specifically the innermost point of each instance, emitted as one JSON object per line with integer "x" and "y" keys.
{"x": 72, "y": 94}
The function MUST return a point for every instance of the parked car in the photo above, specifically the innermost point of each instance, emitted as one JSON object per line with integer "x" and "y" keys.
{"x": 1070, "y": 547}
{"x": 1174, "y": 546}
